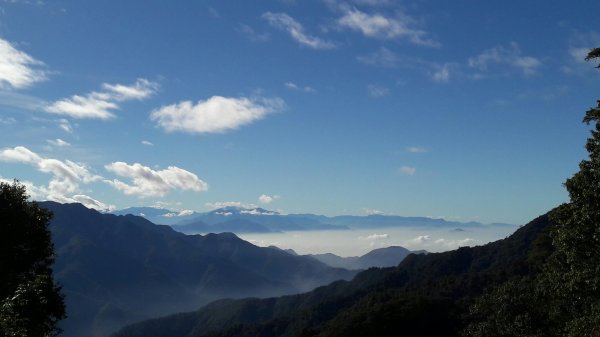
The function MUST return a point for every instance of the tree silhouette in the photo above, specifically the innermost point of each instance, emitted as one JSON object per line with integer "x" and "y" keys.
{"x": 30, "y": 301}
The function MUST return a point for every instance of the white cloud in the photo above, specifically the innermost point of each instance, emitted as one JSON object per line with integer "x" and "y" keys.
{"x": 58, "y": 142}
{"x": 421, "y": 239}
{"x": 267, "y": 199}
{"x": 369, "y": 211}
{"x": 256, "y": 212}
{"x": 215, "y": 115}
{"x": 377, "y": 236}
{"x": 65, "y": 125}
{"x": 252, "y": 34}
{"x": 510, "y": 55}
{"x": 442, "y": 73}
{"x": 7, "y": 121}
{"x": 141, "y": 89}
{"x": 407, "y": 170}
{"x": 148, "y": 143}
{"x": 18, "y": 70}
{"x": 90, "y": 202}
{"x": 375, "y": 90}
{"x": 223, "y": 204}
{"x": 382, "y": 57}
{"x": 453, "y": 244}
{"x": 66, "y": 176}
{"x": 294, "y": 86}
{"x": 150, "y": 183}
{"x": 416, "y": 149}
{"x": 186, "y": 212}
{"x": 382, "y": 27}
{"x": 295, "y": 29}
{"x": 101, "y": 105}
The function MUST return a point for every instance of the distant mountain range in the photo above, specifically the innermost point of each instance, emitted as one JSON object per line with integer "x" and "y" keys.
{"x": 259, "y": 220}
{"x": 426, "y": 295}
{"x": 381, "y": 257}
{"x": 119, "y": 269}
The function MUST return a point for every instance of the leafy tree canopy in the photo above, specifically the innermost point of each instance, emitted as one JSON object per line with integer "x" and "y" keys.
{"x": 30, "y": 301}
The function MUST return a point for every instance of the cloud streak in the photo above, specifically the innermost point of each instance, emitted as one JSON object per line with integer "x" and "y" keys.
{"x": 101, "y": 105}
{"x": 18, "y": 70}
{"x": 383, "y": 27}
{"x": 296, "y": 30}
{"x": 510, "y": 55}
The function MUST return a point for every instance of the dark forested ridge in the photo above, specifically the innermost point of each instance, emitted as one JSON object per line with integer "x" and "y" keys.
{"x": 117, "y": 270}
{"x": 426, "y": 295}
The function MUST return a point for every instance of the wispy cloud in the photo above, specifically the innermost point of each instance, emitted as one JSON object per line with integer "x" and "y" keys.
{"x": 379, "y": 26}
{"x": 147, "y": 143}
{"x": 58, "y": 142}
{"x": 252, "y": 34}
{"x": 501, "y": 55}
{"x": 147, "y": 182}
{"x": 18, "y": 70}
{"x": 296, "y": 30}
{"x": 215, "y": 115}
{"x": 442, "y": 73}
{"x": 375, "y": 90}
{"x": 294, "y": 86}
{"x": 416, "y": 149}
{"x": 382, "y": 57}
{"x": 370, "y": 211}
{"x": 101, "y": 105}
{"x": 65, "y": 125}
{"x": 407, "y": 170}
{"x": 222, "y": 204}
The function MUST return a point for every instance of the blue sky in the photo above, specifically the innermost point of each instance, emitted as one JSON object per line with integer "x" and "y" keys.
{"x": 467, "y": 110}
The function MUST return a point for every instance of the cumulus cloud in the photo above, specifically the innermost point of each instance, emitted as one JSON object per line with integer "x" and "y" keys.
{"x": 223, "y": 204}
{"x": 101, "y": 105}
{"x": 383, "y": 27}
{"x": 58, "y": 142}
{"x": 147, "y": 182}
{"x": 407, "y": 170}
{"x": 67, "y": 176}
{"x": 501, "y": 55}
{"x": 267, "y": 199}
{"x": 215, "y": 115}
{"x": 18, "y": 70}
{"x": 296, "y": 30}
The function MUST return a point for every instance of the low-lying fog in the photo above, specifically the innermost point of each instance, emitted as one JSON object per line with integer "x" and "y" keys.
{"x": 358, "y": 242}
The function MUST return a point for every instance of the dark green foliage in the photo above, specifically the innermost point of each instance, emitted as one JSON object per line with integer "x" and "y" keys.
{"x": 31, "y": 303}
